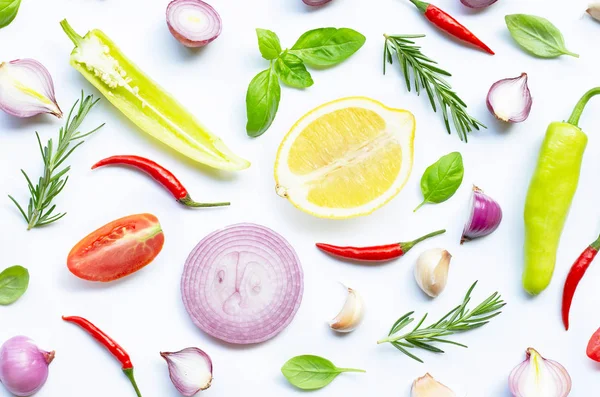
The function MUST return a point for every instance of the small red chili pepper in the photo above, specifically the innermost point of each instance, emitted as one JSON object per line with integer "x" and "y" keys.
{"x": 159, "y": 174}
{"x": 113, "y": 347}
{"x": 450, "y": 25}
{"x": 378, "y": 253}
{"x": 575, "y": 275}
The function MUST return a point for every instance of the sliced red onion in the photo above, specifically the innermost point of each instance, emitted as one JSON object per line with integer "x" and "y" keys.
{"x": 537, "y": 376}
{"x": 23, "y": 366}
{"x": 190, "y": 370}
{"x": 26, "y": 89}
{"x": 510, "y": 100}
{"x": 484, "y": 217}
{"x": 242, "y": 284}
{"x": 315, "y": 2}
{"x": 478, "y": 3}
{"x": 193, "y": 22}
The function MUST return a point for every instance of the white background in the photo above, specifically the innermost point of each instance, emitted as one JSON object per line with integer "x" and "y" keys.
{"x": 144, "y": 312}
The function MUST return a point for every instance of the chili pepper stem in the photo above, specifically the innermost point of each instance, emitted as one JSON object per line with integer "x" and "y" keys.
{"x": 596, "y": 244}
{"x": 188, "y": 202}
{"x": 408, "y": 245}
{"x": 421, "y": 5}
{"x": 574, "y": 119}
{"x": 71, "y": 33}
{"x": 129, "y": 373}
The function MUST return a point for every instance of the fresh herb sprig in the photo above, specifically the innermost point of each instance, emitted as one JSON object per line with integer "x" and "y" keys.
{"x": 459, "y": 319}
{"x": 426, "y": 75}
{"x": 40, "y": 210}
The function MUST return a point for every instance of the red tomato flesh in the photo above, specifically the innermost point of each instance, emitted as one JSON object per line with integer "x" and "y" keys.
{"x": 117, "y": 249}
{"x": 593, "y": 347}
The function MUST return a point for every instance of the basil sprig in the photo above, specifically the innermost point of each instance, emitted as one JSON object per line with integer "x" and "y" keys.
{"x": 13, "y": 284}
{"x": 537, "y": 35}
{"x": 8, "y": 11}
{"x": 319, "y": 47}
{"x": 312, "y": 372}
{"x": 442, "y": 179}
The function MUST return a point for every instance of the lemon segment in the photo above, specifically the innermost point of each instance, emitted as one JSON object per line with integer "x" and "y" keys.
{"x": 346, "y": 158}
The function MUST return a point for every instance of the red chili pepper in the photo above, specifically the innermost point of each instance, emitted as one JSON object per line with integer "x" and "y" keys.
{"x": 575, "y": 275}
{"x": 160, "y": 174}
{"x": 378, "y": 253}
{"x": 113, "y": 347}
{"x": 450, "y": 25}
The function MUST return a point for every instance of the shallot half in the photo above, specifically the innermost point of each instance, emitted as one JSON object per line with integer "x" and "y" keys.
{"x": 190, "y": 370}
{"x": 23, "y": 366}
{"x": 193, "y": 23}
{"x": 478, "y": 3}
{"x": 315, "y": 2}
{"x": 510, "y": 100}
{"x": 485, "y": 216}
{"x": 537, "y": 376}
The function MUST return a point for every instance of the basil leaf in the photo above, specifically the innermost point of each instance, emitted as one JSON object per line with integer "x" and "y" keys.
{"x": 442, "y": 179}
{"x": 537, "y": 35}
{"x": 262, "y": 101}
{"x": 312, "y": 372}
{"x": 13, "y": 284}
{"x": 8, "y": 11}
{"x": 268, "y": 44}
{"x": 292, "y": 72}
{"x": 327, "y": 46}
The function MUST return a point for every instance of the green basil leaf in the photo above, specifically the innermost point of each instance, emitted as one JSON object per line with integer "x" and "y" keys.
{"x": 8, "y": 11}
{"x": 262, "y": 102}
{"x": 268, "y": 44}
{"x": 327, "y": 46}
{"x": 292, "y": 72}
{"x": 537, "y": 35}
{"x": 442, "y": 179}
{"x": 312, "y": 372}
{"x": 13, "y": 284}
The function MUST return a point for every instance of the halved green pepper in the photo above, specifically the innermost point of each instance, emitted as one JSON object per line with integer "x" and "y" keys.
{"x": 144, "y": 102}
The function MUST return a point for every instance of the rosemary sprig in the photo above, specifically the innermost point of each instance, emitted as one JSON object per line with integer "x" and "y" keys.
{"x": 459, "y": 319}
{"x": 426, "y": 75}
{"x": 51, "y": 183}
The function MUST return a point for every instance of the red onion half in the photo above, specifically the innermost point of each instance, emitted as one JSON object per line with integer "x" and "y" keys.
{"x": 242, "y": 284}
{"x": 478, "y": 3}
{"x": 315, "y": 2}
{"x": 193, "y": 22}
{"x": 484, "y": 217}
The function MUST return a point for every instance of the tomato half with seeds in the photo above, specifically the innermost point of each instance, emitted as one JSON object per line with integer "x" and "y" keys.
{"x": 593, "y": 347}
{"x": 117, "y": 249}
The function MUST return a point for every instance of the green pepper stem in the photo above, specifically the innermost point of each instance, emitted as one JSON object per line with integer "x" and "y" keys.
{"x": 68, "y": 29}
{"x": 408, "y": 245}
{"x": 574, "y": 119}
{"x": 129, "y": 373}
{"x": 596, "y": 244}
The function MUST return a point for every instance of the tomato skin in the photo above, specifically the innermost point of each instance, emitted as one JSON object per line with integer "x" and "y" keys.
{"x": 593, "y": 347}
{"x": 117, "y": 249}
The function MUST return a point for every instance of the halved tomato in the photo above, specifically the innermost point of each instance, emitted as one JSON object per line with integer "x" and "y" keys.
{"x": 117, "y": 249}
{"x": 593, "y": 347}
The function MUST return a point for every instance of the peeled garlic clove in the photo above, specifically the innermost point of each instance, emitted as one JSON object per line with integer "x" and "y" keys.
{"x": 431, "y": 271}
{"x": 26, "y": 89}
{"x": 510, "y": 100}
{"x": 537, "y": 376}
{"x": 427, "y": 386}
{"x": 351, "y": 314}
{"x": 190, "y": 370}
{"x": 594, "y": 10}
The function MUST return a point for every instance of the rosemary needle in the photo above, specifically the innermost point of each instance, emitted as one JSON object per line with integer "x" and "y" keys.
{"x": 427, "y": 76}
{"x": 459, "y": 319}
{"x": 40, "y": 210}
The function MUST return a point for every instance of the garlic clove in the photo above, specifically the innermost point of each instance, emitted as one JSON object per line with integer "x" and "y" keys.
{"x": 26, "y": 89}
{"x": 594, "y": 10}
{"x": 537, "y": 376}
{"x": 190, "y": 370}
{"x": 431, "y": 271}
{"x": 351, "y": 315}
{"x": 427, "y": 386}
{"x": 510, "y": 100}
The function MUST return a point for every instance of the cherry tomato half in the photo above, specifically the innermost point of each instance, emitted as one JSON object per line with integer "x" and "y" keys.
{"x": 593, "y": 347}
{"x": 117, "y": 249}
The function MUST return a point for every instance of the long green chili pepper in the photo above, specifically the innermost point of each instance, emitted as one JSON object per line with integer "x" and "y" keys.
{"x": 151, "y": 108}
{"x": 550, "y": 194}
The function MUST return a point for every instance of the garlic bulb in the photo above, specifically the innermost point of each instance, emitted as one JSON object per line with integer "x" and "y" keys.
{"x": 427, "y": 386}
{"x": 351, "y": 314}
{"x": 431, "y": 271}
{"x": 510, "y": 100}
{"x": 594, "y": 10}
{"x": 537, "y": 377}
{"x": 26, "y": 89}
{"x": 190, "y": 370}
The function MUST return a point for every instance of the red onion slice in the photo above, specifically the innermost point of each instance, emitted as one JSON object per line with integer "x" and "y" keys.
{"x": 193, "y": 22}
{"x": 242, "y": 284}
{"x": 484, "y": 217}
{"x": 478, "y": 3}
{"x": 315, "y": 2}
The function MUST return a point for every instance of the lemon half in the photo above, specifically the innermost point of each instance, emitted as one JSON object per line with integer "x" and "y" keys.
{"x": 346, "y": 158}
